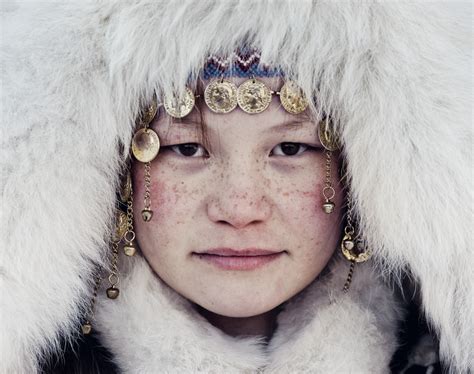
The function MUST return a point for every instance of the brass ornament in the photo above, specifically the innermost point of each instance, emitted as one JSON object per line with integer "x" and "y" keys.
{"x": 126, "y": 187}
{"x": 253, "y": 96}
{"x": 292, "y": 98}
{"x": 145, "y": 145}
{"x": 328, "y": 207}
{"x": 112, "y": 292}
{"x": 179, "y": 107}
{"x": 121, "y": 226}
{"x": 147, "y": 214}
{"x": 130, "y": 249}
{"x": 221, "y": 96}
{"x": 327, "y": 137}
{"x": 86, "y": 328}
{"x": 347, "y": 248}
{"x": 149, "y": 113}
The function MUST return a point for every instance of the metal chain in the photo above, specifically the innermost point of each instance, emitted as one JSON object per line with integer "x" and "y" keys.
{"x": 90, "y": 311}
{"x": 328, "y": 190}
{"x": 113, "y": 277}
{"x": 349, "y": 229}
{"x": 147, "y": 198}
{"x": 130, "y": 234}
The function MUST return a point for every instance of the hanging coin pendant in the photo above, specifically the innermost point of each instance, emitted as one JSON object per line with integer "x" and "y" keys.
{"x": 147, "y": 215}
{"x": 112, "y": 292}
{"x": 150, "y": 112}
{"x": 327, "y": 137}
{"x": 253, "y": 96}
{"x": 86, "y": 328}
{"x": 129, "y": 249}
{"x": 179, "y": 107}
{"x": 120, "y": 226}
{"x": 328, "y": 207}
{"x": 292, "y": 98}
{"x": 145, "y": 145}
{"x": 221, "y": 96}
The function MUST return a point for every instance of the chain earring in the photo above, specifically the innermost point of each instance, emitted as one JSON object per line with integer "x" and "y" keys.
{"x": 352, "y": 246}
{"x": 329, "y": 142}
{"x": 328, "y": 190}
{"x": 145, "y": 147}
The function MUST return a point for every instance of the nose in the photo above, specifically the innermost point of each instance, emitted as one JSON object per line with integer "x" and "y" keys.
{"x": 240, "y": 200}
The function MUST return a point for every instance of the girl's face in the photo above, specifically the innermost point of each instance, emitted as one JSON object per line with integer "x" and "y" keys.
{"x": 238, "y": 226}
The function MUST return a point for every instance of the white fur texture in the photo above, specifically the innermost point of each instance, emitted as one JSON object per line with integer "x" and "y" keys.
{"x": 394, "y": 76}
{"x": 151, "y": 329}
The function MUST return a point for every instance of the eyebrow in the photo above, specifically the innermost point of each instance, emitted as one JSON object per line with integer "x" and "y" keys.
{"x": 189, "y": 124}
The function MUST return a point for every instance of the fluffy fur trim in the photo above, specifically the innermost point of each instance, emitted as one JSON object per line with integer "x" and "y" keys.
{"x": 150, "y": 329}
{"x": 394, "y": 76}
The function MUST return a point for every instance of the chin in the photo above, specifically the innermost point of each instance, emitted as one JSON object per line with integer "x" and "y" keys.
{"x": 239, "y": 308}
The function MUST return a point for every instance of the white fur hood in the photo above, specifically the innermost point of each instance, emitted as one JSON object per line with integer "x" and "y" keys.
{"x": 393, "y": 76}
{"x": 151, "y": 329}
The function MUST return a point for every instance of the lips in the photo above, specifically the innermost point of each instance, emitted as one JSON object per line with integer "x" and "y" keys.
{"x": 242, "y": 259}
{"x": 241, "y": 252}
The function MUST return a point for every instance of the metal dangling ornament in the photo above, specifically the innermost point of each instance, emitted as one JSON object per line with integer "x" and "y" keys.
{"x": 292, "y": 98}
{"x": 179, "y": 107}
{"x": 327, "y": 136}
{"x": 221, "y": 96}
{"x": 145, "y": 148}
{"x": 352, "y": 246}
{"x": 253, "y": 96}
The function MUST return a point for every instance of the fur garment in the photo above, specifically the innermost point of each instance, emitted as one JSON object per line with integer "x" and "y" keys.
{"x": 150, "y": 329}
{"x": 394, "y": 76}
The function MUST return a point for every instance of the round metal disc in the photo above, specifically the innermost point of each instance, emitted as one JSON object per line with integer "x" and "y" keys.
{"x": 221, "y": 96}
{"x": 292, "y": 98}
{"x": 145, "y": 145}
{"x": 179, "y": 107}
{"x": 253, "y": 96}
{"x": 327, "y": 137}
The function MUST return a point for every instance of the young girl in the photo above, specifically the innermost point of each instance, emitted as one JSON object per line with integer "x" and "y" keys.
{"x": 235, "y": 187}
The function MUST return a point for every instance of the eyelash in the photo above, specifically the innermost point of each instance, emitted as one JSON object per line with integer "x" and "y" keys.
{"x": 176, "y": 149}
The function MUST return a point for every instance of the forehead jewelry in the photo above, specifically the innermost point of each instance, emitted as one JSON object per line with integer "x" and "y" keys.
{"x": 222, "y": 96}
{"x": 145, "y": 147}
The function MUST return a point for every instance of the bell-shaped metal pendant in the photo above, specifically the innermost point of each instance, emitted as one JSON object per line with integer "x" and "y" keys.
{"x": 147, "y": 214}
{"x": 129, "y": 249}
{"x": 112, "y": 292}
{"x": 348, "y": 244}
{"x": 328, "y": 207}
{"x": 86, "y": 328}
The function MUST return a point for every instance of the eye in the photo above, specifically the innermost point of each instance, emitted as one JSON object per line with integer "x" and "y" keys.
{"x": 189, "y": 150}
{"x": 289, "y": 149}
